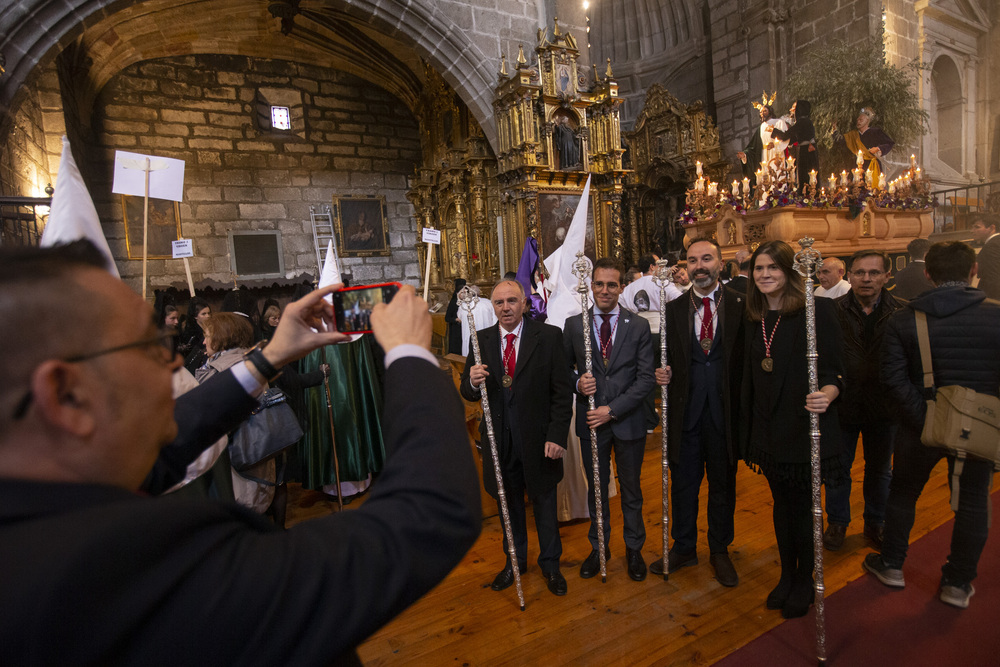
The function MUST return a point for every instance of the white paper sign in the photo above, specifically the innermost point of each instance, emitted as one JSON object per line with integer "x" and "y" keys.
{"x": 182, "y": 248}
{"x": 431, "y": 236}
{"x": 166, "y": 176}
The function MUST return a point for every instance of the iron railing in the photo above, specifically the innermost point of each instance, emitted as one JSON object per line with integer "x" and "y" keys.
{"x": 955, "y": 205}
{"x": 22, "y": 219}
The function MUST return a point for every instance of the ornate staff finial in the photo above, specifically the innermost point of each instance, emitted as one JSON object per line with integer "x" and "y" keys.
{"x": 663, "y": 274}
{"x": 808, "y": 259}
{"x": 582, "y": 270}
{"x": 468, "y": 298}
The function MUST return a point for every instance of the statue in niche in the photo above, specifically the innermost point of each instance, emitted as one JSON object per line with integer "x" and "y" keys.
{"x": 566, "y": 144}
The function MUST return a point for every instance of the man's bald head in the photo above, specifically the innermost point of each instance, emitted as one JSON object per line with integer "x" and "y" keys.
{"x": 831, "y": 272}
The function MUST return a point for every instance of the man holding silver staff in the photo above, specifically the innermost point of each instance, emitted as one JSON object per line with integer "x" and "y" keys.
{"x": 705, "y": 351}
{"x": 527, "y": 383}
{"x": 622, "y": 377}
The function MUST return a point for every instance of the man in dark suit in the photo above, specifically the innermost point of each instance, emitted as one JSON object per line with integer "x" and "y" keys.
{"x": 92, "y": 572}
{"x": 911, "y": 281}
{"x": 984, "y": 231}
{"x": 526, "y": 377}
{"x": 705, "y": 346}
{"x": 622, "y": 376}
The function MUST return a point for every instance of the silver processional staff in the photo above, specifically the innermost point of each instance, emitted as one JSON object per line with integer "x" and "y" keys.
{"x": 806, "y": 262}
{"x": 582, "y": 269}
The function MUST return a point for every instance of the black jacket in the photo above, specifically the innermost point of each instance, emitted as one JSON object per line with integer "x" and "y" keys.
{"x": 964, "y": 334}
{"x": 863, "y": 400}
{"x": 98, "y": 575}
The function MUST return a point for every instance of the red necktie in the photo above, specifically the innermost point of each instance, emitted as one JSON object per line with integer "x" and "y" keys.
{"x": 707, "y": 332}
{"x": 509, "y": 355}
{"x": 606, "y": 342}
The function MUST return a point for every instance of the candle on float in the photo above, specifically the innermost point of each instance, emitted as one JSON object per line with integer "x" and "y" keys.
{"x": 843, "y": 177}
{"x": 892, "y": 188}
{"x": 857, "y": 176}
{"x": 833, "y": 181}
{"x": 881, "y": 181}
{"x": 916, "y": 175}
{"x": 697, "y": 166}
{"x": 822, "y": 193}
{"x": 913, "y": 161}
{"x": 861, "y": 158}
{"x": 736, "y": 188}
{"x": 791, "y": 164}
{"x": 812, "y": 177}
{"x": 746, "y": 185}
{"x": 699, "y": 185}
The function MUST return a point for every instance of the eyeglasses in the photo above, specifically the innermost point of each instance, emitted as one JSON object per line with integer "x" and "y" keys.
{"x": 163, "y": 348}
{"x": 875, "y": 273}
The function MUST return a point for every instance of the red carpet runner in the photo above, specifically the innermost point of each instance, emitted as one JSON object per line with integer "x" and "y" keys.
{"x": 870, "y": 624}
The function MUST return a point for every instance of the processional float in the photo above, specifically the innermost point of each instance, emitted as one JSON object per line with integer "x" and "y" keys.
{"x": 468, "y": 299}
{"x": 583, "y": 269}
{"x": 807, "y": 261}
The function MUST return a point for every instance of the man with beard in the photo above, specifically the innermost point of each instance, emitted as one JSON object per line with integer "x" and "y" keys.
{"x": 705, "y": 348}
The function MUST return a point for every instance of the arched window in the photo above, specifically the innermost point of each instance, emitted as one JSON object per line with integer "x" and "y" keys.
{"x": 949, "y": 105}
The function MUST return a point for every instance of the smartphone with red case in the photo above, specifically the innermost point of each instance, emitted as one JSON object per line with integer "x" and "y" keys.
{"x": 352, "y": 306}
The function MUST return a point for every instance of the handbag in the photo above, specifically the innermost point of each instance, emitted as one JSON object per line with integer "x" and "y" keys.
{"x": 271, "y": 428}
{"x": 959, "y": 419}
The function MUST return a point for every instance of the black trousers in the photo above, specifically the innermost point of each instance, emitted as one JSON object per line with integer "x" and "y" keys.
{"x": 703, "y": 451}
{"x": 628, "y": 460}
{"x": 546, "y": 521}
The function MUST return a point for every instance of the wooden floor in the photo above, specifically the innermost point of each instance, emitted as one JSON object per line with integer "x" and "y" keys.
{"x": 688, "y": 620}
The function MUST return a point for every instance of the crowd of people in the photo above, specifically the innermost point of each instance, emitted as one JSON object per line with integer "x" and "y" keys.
{"x": 738, "y": 388}
{"x": 94, "y": 425}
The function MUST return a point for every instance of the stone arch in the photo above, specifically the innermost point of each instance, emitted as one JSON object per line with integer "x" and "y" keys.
{"x": 38, "y": 30}
{"x": 948, "y": 107}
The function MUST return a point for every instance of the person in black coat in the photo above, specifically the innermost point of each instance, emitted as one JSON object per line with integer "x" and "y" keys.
{"x": 984, "y": 231}
{"x": 776, "y": 403}
{"x": 531, "y": 410}
{"x": 911, "y": 281}
{"x": 705, "y": 355}
{"x": 94, "y": 573}
{"x": 964, "y": 336}
{"x": 802, "y": 135}
{"x": 451, "y": 318}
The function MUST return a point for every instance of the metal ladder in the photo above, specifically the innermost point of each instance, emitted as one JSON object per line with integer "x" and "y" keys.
{"x": 323, "y": 233}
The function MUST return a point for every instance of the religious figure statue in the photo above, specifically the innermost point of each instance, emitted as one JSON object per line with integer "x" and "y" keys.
{"x": 565, "y": 142}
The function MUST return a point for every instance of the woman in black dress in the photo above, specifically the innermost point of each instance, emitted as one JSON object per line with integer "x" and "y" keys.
{"x": 776, "y": 405}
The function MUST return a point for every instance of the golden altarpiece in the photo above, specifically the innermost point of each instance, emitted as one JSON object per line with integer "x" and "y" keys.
{"x": 668, "y": 141}
{"x": 557, "y": 125}
{"x": 455, "y": 190}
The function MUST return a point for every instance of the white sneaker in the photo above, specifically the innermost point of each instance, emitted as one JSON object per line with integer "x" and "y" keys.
{"x": 957, "y": 596}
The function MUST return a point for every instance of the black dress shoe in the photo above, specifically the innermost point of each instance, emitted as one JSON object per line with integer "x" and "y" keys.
{"x": 675, "y": 561}
{"x": 725, "y": 573}
{"x": 591, "y": 566}
{"x": 556, "y": 582}
{"x": 777, "y": 598}
{"x": 504, "y": 579}
{"x": 636, "y": 565}
{"x": 799, "y": 600}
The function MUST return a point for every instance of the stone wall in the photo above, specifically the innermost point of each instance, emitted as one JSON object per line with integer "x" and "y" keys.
{"x": 29, "y": 154}
{"x": 350, "y": 139}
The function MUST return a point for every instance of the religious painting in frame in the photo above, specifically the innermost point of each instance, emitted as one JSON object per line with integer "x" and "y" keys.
{"x": 164, "y": 227}
{"x": 555, "y": 213}
{"x": 361, "y": 227}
